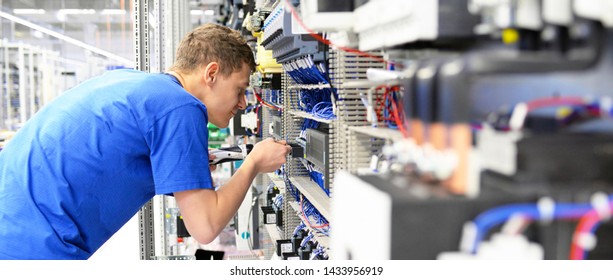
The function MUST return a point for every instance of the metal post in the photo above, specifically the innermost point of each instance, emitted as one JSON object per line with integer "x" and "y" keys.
{"x": 32, "y": 87}
{"x": 141, "y": 34}
{"x": 9, "y": 87}
{"x": 5, "y": 87}
{"x": 22, "y": 84}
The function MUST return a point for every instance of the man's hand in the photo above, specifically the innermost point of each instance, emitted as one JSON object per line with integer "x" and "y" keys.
{"x": 268, "y": 155}
{"x": 206, "y": 212}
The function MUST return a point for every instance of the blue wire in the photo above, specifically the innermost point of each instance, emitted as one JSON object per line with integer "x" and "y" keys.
{"x": 298, "y": 228}
{"x": 311, "y": 211}
{"x": 493, "y": 217}
{"x": 594, "y": 229}
{"x": 323, "y": 110}
{"x": 278, "y": 201}
{"x": 306, "y": 240}
{"x": 291, "y": 188}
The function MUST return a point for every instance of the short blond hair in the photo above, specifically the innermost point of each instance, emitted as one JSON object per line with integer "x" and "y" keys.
{"x": 213, "y": 43}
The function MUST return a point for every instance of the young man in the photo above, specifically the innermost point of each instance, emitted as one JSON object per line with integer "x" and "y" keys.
{"x": 86, "y": 163}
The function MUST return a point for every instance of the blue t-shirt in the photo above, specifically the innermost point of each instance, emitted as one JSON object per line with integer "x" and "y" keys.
{"x": 87, "y": 162}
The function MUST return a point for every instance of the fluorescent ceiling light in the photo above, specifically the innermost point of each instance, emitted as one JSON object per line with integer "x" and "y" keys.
{"x": 77, "y": 11}
{"x": 67, "y": 39}
{"x": 28, "y": 11}
{"x": 196, "y": 12}
{"x": 113, "y": 12}
{"x": 209, "y": 12}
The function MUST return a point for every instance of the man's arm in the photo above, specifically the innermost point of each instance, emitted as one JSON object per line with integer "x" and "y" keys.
{"x": 206, "y": 212}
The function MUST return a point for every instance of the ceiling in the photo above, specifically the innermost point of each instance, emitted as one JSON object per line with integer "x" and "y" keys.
{"x": 53, "y": 8}
{"x": 70, "y": 22}
{"x": 105, "y": 24}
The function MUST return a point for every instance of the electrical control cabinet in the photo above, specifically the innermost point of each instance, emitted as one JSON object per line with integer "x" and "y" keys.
{"x": 430, "y": 117}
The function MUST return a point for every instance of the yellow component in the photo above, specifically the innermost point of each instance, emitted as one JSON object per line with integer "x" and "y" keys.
{"x": 510, "y": 36}
{"x": 167, "y": 216}
{"x": 263, "y": 58}
{"x": 564, "y": 112}
{"x": 181, "y": 217}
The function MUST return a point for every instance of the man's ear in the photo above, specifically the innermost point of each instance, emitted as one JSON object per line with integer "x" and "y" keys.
{"x": 211, "y": 71}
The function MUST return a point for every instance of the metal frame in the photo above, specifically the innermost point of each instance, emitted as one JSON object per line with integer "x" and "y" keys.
{"x": 30, "y": 77}
{"x": 156, "y": 40}
{"x": 141, "y": 47}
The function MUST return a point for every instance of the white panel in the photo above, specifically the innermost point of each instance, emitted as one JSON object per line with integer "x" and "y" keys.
{"x": 557, "y": 11}
{"x": 502, "y": 16}
{"x": 332, "y": 21}
{"x": 245, "y": 226}
{"x": 588, "y": 8}
{"x": 362, "y": 220}
{"x": 528, "y": 14}
{"x": 387, "y": 23}
{"x": 601, "y": 10}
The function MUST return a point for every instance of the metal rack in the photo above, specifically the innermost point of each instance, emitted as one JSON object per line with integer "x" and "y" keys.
{"x": 314, "y": 194}
{"x": 32, "y": 76}
{"x": 323, "y": 239}
{"x": 291, "y": 130}
{"x": 345, "y": 69}
{"x": 351, "y": 141}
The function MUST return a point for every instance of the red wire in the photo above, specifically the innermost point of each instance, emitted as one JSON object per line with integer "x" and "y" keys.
{"x": 380, "y": 102}
{"x": 399, "y": 122}
{"x": 400, "y": 107}
{"x": 395, "y": 117}
{"x": 307, "y": 218}
{"x": 585, "y": 224}
{"x": 257, "y": 96}
{"x": 328, "y": 42}
{"x": 554, "y": 101}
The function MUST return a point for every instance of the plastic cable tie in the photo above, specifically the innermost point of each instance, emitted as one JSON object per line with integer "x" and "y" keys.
{"x": 546, "y": 207}
{"x": 514, "y": 225}
{"x": 586, "y": 240}
{"x": 518, "y": 117}
{"x": 600, "y": 203}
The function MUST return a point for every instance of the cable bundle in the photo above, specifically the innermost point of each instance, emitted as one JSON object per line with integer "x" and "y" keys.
{"x": 304, "y": 71}
{"x": 319, "y": 253}
{"x": 299, "y": 228}
{"x": 275, "y": 97}
{"x": 308, "y": 123}
{"x": 323, "y": 110}
{"x": 309, "y": 98}
{"x": 568, "y": 110}
{"x": 388, "y": 108}
{"x": 317, "y": 177}
{"x": 589, "y": 216}
{"x": 308, "y": 210}
{"x": 278, "y": 202}
{"x": 292, "y": 189}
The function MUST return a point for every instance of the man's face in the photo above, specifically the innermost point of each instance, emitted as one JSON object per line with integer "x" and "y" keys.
{"x": 228, "y": 97}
